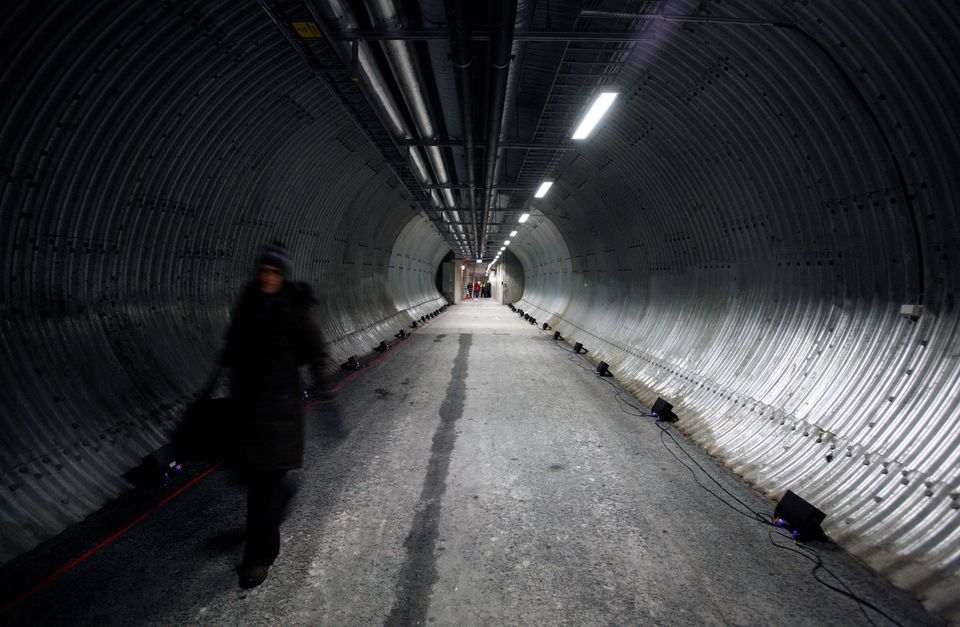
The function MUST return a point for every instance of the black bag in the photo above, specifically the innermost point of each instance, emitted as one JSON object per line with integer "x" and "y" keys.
{"x": 203, "y": 434}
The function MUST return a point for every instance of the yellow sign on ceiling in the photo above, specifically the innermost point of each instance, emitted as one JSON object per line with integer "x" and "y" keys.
{"x": 307, "y": 30}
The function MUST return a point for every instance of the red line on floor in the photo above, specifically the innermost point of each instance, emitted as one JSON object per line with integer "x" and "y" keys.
{"x": 73, "y": 564}
{"x": 353, "y": 375}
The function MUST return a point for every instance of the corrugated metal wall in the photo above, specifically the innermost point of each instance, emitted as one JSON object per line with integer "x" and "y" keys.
{"x": 739, "y": 236}
{"x": 147, "y": 149}
{"x": 509, "y": 279}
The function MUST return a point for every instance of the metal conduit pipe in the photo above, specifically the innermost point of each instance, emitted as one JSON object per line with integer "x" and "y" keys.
{"x": 338, "y": 13}
{"x": 518, "y": 49}
{"x": 401, "y": 61}
{"x": 461, "y": 58}
{"x": 443, "y": 76}
{"x": 694, "y": 19}
{"x": 501, "y": 40}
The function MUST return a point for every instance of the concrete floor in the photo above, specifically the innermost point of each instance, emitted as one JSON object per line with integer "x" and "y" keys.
{"x": 489, "y": 478}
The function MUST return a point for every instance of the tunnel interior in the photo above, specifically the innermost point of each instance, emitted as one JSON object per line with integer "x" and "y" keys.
{"x": 762, "y": 230}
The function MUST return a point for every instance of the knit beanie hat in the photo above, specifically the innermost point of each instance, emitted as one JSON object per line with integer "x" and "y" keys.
{"x": 276, "y": 255}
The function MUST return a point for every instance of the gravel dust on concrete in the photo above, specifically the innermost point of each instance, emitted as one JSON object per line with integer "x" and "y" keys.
{"x": 489, "y": 477}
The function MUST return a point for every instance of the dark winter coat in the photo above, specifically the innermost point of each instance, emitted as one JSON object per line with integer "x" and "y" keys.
{"x": 270, "y": 336}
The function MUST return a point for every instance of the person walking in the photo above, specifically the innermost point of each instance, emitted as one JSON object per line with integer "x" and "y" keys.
{"x": 271, "y": 334}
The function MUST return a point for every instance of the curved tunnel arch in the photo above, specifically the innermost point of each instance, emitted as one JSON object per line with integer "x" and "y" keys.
{"x": 737, "y": 237}
{"x": 545, "y": 259}
{"x": 744, "y": 252}
{"x": 143, "y": 168}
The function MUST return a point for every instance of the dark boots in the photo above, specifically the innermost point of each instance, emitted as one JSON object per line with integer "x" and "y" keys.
{"x": 252, "y": 576}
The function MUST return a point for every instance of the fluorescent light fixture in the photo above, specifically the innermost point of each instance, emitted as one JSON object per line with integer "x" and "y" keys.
{"x": 479, "y": 260}
{"x": 506, "y": 243}
{"x": 503, "y": 248}
{"x": 523, "y": 218}
{"x": 597, "y": 109}
{"x": 545, "y": 187}
{"x": 513, "y": 233}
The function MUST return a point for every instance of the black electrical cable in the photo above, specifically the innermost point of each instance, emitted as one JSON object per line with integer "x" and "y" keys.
{"x": 763, "y": 519}
{"x": 621, "y": 400}
{"x": 817, "y": 560}
{"x": 755, "y": 516}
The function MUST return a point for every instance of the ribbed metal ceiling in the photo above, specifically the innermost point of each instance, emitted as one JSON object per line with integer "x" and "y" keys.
{"x": 776, "y": 178}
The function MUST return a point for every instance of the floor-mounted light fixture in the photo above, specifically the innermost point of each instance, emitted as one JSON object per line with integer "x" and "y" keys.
{"x": 663, "y": 411}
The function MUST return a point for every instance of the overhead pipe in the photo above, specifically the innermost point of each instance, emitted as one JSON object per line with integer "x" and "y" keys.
{"x": 525, "y": 10}
{"x": 626, "y": 15}
{"x": 387, "y": 17}
{"x": 338, "y": 13}
{"x": 501, "y": 41}
{"x": 462, "y": 59}
{"x": 443, "y": 82}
